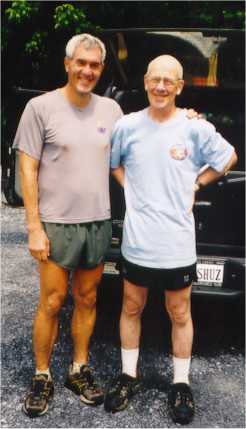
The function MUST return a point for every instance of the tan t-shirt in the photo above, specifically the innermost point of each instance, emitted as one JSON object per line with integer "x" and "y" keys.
{"x": 73, "y": 147}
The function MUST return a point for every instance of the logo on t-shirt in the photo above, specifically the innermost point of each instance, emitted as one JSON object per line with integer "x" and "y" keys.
{"x": 100, "y": 128}
{"x": 178, "y": 151}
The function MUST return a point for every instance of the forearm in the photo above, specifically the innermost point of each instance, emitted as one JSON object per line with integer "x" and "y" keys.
{"x": 29, "y": 188}
{"x": 119, "y": 175}
{"x": 210, "y": 175}
{"x": 38, "y": 242}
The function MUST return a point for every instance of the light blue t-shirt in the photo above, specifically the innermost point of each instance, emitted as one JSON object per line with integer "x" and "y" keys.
{"x": 161, "y": 162}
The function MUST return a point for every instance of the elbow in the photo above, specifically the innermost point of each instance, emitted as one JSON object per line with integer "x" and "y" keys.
{"x": 231, "y": 163}
{"x": 234, "y": 159}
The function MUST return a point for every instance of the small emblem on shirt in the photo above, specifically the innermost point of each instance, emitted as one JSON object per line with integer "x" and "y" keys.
{"x": 100, "y": 128}
{"x": 178, "y": 152}
{"x": 186, "y": 278}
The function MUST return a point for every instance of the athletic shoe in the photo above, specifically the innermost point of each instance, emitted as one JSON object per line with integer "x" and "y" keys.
{"x": 37, "y": 400}
{"x": 120, "y": 391}
{"x": 180, "y": 403}
{"x": 83, "y": 384}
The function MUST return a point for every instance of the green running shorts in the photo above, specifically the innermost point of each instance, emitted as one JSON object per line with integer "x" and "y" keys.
{"x": 81, "y": 245}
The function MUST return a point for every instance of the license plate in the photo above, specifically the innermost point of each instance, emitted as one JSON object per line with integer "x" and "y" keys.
{"x": 210, "y": 273}
{"x": 110, "y": 268}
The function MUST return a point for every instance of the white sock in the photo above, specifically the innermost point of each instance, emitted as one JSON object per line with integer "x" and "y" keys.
{"x": 75, "y": 367}
{"x": 181, "y": 368}
{"x": 43, "y": 371}
{"x": 129, "y": 359}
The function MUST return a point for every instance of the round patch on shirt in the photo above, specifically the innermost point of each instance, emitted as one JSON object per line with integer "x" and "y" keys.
{"x": 178, "y": 152}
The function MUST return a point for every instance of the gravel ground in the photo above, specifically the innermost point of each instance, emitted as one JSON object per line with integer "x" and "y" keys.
{"x": 217, "y": 374}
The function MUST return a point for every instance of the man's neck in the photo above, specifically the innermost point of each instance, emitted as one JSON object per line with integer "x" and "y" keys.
{"x": 162, "y": 115}
{"x": 79, "y": 100}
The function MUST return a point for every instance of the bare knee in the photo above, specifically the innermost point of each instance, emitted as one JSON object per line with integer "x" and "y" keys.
{"x": 179, "y": 314}
{"x": 132, "y": 307}
{"x": 52, "y": 304}
{"x": 85, "y": 299}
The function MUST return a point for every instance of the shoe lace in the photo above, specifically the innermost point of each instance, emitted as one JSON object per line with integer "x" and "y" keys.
{"x": 122, "y": 385}
{"x": 40, "y": 387}
{"x": 85, "y": 379}
{"x": 183, "y": 398}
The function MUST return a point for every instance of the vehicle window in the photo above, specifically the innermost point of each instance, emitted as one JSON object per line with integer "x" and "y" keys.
{"x": 208, "y": 59}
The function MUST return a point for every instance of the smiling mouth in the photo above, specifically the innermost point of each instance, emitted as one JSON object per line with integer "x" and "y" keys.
{"x": 85, "y": 81}
{"x": 161, "y": 96}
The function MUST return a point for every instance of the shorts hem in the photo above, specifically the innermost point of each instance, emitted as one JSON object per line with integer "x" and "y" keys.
{"x": 81, "y": 266}
{"x": 171, "y": 279}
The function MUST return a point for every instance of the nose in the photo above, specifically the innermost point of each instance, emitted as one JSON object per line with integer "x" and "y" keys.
{"x": 87, "y": 70}
{"x": 161, "y": 85}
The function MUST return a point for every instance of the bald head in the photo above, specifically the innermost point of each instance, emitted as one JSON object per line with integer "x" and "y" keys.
{"x": 166, "y": 62}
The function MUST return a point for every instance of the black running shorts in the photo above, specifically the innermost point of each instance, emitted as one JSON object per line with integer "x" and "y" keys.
{"x": 161, "y": 278}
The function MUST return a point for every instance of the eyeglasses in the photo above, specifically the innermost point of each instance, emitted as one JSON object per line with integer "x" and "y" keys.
{"x": 168, "y": 83}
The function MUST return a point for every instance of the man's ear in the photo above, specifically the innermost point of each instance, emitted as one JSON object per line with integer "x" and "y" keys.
{"x": 145, "y": 82}
{"x": 180, "y": 86}
{"x": 66, "y": 63}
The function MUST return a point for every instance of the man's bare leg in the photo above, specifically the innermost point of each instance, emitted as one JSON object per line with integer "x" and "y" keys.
{"x": 84, "y": 315}
{"x": 80, "y": 379}
{"x": 53, "y": 290}
{"x": 134, "y": 300}
{"x": 127, "y": 383}
{"x": 178, "y": 305}
{"x": 180, "y": 397}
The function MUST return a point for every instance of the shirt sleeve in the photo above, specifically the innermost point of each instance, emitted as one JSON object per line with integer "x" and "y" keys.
{"x": 214, "y": 149}
{"x": 120, "y": 112}
{"x": 29, "y": 136}
{"x": 117, "y": 140}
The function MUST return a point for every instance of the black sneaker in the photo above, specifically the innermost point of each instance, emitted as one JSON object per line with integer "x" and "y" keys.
{"x": 37, "y": 400}
{"x": 82, "y": 384}
{"x": 180, "y": 403}
{"x": 120, "y": 391}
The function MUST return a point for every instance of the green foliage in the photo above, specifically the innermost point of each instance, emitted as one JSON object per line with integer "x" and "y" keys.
{"x": 234, "y": 16}
{"x": 35, "y": 46}
{"x": 67, "y": 16}
{"x": 21, "y": 11}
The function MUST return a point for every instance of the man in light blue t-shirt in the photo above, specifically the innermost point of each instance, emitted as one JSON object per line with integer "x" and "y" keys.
{"x": 157, "y": 155}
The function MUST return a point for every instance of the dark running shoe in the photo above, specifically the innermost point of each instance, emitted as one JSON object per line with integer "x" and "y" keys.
{"x": 180, "y": 403}
{"x": 37, "y": 400}
{"x": 83, "y": 384}
{"x": 120, "y": 391}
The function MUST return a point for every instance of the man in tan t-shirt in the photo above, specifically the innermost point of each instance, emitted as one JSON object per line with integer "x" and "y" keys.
{"x": 64, "y": 144}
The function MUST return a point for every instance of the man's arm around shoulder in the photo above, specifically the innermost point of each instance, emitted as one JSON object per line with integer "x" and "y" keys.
{"x": 119, "y": 174}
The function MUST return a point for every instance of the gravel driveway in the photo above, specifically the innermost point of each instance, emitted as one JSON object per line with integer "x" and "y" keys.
{"x": 217, "y": 374}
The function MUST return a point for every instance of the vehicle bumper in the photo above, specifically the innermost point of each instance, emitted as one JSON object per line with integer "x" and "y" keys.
{"x": 231, "y": 287}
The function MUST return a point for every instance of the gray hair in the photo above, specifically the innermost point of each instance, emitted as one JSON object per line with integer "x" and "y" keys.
{"x": 89, "y": 42}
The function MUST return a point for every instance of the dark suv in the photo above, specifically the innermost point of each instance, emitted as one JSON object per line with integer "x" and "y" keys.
{"x": 213, "y": 62}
